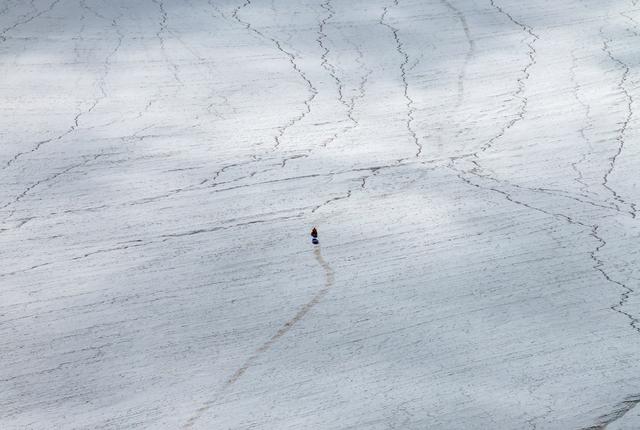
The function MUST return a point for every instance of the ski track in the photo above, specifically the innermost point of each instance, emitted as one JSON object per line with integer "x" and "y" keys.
{"x": 477, "y": 177}
{"x": 403, "y": 72}
{"x": 266, "y": 346}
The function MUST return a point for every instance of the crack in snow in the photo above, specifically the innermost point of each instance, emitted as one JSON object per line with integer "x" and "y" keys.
{"x": 633, "y": 31}
{"x": 403, "y": 71}
{"x": 634, "y": 323}
{"x": 624, "y": 297}
{"x": 619, "y": 411}
{"x": 159, "y": 35}
{"x": 101, "y": 82}
{"x": 583, "y": 130}
{"x": 25, "y": 19}
{"x": 27, "y": 190}
{"x": 470, "y": 51}
{"x": 335, "y": 199}
{"x": 620, "y": 138}
{"x": 292, "y": 59}
{"x": 521, "y": 80}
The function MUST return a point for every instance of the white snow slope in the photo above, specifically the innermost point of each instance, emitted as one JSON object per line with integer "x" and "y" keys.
{"x": 471, "y": 166}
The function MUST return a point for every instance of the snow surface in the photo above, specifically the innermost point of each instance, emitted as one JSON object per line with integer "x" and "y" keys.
{"x": 471, "y": 166}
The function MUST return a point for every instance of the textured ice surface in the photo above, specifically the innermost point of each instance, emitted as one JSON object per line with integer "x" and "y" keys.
{"x": 471, "y": 166}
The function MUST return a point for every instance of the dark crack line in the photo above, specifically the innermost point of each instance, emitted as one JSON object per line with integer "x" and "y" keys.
{"x": 470, "y": 51}
{"x": 331, "y": 69}
{"x": 361, "y": 90}
{"x": 460, "y": 174}
{"x": 316, "y": 175}
{"x": 620, "y": 138}
{"x": 170, "y": 236}
{"x": 292, "y": 59}
{"x": 293, "y": 157}
{"x": 214, "y": 186}
{"x": 25, "y": 19}
{"x": 84, "y": 5}
{"x": 266, "y": 346}
{"x": 403, "y": 72}
{"x": 521, "y": 81}
{"x": 634, "y": 30}
{"x": 216, "y": 9}
{"x": 598, "y": 263}
{"x": 101, "y": 82}
{"x": 224, "y": 169}
{"x": 332, "y": 200}
{"x": 619, "y": 411}
{"x": 547, "y": 191}
{"x": 360, "y": 95}
{"x": 41, "y": 143}
{"x": 204, "y": 62}
{"x": 27, "y": 190}
{"x": 324, "y": 58}
{"x": 374, "y": 172}
{"x": 103, "y": 94}
{"x": 159, "y": 34}
{"x": 79, "y": 38}
{"x": 589, "y": 123}
{"x": 624, "y": 297}
{"x": 5, "y": 9}
{"x": 161, "y": 239}
{"x": 353, "y": 100}
{"x": 105, "y": 71}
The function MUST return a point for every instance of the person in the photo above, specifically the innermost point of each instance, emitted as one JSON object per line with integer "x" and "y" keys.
{"x": 314, "y": 235}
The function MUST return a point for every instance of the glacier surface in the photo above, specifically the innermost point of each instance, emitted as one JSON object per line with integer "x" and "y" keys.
{"x": 471, "y": 166}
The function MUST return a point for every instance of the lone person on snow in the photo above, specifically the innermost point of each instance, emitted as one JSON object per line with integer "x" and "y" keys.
{"x": 314, "y": 235}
